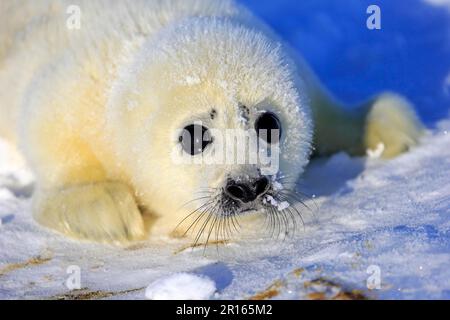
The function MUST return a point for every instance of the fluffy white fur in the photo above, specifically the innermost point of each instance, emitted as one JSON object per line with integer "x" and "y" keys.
{"x": 97, "y": 110}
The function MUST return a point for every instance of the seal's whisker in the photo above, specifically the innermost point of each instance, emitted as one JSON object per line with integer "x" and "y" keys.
{"x": 192, "y": 213}
{"x": 279, "y": 219}
{"x": 297, "y": 197}
{"x": 218, "y": 226}
{"x": 209, "y": 232}
{"x": 234, "y": 223}
{"x": 218, "y": 217}
{"x": 286, "y": 224}
{"x": 305, "y": 195}
{"x": 230, "y": 220}
{"x": 272, "y": 222}
{"x": 276, "y": 222}
{"x": 287, "y": 179}
{"x": 298, "y": 213}
{"x": 292, "y": 217}
{"x": 206, "y": 214}
{"x": 193, "y": 200}
{"x": 225, "y": 232}
{"x": 293, "y": 211}
{"x": 201, "y": 215}
{"x": 208, "y": 191}
{"x": 202, "y": 229}
{"x": 209, "y": 215}
{"x": 310, "y": 211}
{"x": 220, "y": 223}
{"x": 300, "y": 196}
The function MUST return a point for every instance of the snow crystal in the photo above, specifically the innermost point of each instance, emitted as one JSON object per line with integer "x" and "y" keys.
{"x": 277, "y": 186}
{"x": 268, "y": 199}
{"x": 181, "y": 286}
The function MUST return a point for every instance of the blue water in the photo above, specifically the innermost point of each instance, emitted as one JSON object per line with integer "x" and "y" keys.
{"x": 409, "y": 55}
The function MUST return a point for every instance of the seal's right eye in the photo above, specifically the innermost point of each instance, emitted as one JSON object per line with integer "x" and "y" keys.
{"x": 268, "y": 123}
{"x": 195, "y": 138}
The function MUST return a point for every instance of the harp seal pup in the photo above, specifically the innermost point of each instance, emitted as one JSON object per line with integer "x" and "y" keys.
{"x": 97, "y": 111}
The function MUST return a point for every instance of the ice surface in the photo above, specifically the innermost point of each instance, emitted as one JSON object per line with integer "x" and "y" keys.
{"x": 389, "y": 215}
{"x": 373, "y": 219}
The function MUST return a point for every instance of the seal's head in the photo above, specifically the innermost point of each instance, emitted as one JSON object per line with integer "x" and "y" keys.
{"x": 188, "y": 113}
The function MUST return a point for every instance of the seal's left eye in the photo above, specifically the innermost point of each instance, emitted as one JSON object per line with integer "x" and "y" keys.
{"x": 195, "y": 138}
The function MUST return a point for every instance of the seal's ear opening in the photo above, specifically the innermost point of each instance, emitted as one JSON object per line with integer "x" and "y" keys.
{"x": 268, "y": 123}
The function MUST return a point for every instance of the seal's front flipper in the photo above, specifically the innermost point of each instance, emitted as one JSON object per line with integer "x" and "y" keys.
{"x": 391, "y": 125}
{"x": 387, "y": 124}
{"x": 103, "y": 211}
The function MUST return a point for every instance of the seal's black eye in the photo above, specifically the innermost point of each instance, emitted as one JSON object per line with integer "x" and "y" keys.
{"x": 195, "y": 138}
{"x": 264, "y": 126}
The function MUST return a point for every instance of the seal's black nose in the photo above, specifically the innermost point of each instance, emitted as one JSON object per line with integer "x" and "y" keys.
{"x": 247, "y": 191}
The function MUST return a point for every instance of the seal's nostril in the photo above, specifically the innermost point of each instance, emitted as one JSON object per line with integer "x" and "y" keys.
{"x": 261, "y": 186}
{"x": 236, "y": 191}
{"x": 239, "y": 191}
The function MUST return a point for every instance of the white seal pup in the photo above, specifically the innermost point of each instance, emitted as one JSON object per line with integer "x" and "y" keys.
{"x": 96, "y": 93}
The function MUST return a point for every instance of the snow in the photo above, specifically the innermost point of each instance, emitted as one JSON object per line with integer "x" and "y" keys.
{"x": 181, "y": 286}
{"x": 280, "y": 205}
{"x": 372, "y": 214}
{"x": 192, "y": 80}
{"x": 377, "y": 229}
